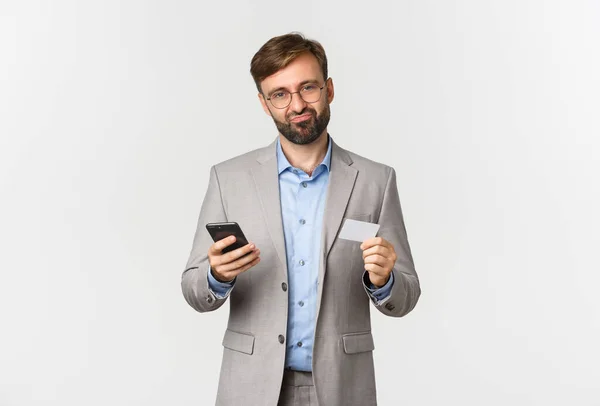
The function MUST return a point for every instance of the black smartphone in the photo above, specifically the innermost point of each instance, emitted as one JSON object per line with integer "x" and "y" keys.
{"x": 218, "y": 231}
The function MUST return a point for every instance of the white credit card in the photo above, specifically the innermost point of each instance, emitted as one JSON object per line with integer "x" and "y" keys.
{"x": 358, "y": 230}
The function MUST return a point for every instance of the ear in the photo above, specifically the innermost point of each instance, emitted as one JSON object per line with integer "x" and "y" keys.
{"x": 263, "y": 103}
{"x": 330, "y": 90}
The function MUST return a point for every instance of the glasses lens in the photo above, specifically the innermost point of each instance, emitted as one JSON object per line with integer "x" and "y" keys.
{"x": 281, "y": 99}
{"x": 311, "y": 92}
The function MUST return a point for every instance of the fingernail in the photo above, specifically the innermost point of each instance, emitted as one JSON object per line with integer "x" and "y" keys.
{"x": 252, "y": 246}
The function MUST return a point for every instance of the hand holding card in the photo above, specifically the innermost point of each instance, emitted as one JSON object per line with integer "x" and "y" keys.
{"x": 378, "y": 253}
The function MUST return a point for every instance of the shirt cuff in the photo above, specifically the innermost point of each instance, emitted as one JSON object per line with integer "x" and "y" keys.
{"x": 220, "y": 289}
{"x": 379, "y": 294}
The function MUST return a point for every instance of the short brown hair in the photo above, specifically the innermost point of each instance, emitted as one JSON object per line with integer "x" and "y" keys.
{"x": 279, "y": 52}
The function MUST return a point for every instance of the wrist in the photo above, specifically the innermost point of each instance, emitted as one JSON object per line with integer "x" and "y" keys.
{"x": 218, "y": 277}
{"x": 378, "y": 282}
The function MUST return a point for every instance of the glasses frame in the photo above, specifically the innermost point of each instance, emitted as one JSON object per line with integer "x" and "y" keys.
{"x": 292, "y": 97}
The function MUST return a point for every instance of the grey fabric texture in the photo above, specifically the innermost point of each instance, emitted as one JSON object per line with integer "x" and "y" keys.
{"x": 245, "y": 189}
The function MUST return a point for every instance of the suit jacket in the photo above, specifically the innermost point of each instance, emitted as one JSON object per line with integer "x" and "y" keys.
{"x": 246, "y": 189}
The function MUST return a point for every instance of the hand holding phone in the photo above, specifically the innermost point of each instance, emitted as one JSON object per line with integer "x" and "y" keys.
{"x": 231, "y": 254}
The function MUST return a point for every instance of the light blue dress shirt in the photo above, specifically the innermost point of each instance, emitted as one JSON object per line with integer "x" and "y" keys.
{"x": 302, "y": 200}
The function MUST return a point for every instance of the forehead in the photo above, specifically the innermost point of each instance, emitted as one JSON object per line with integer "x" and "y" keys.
{"x": 305, "y": 67}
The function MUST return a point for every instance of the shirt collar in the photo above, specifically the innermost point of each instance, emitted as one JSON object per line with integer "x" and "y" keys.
{"x": 283, "y": 163}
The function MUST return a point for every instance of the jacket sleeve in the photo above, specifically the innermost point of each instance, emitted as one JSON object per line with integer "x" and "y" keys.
{"x": 406, "y": 289}
{"x": 194, "y": 281}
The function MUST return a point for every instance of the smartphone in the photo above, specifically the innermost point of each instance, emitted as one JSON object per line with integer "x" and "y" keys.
{"x": 218, "y": 231}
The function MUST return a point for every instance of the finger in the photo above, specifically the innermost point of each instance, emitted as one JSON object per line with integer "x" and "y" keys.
{"x": 370, "y": 242}
{"x": 237, "y": 253}
{"x": 218, "y": 246}
{"x": 232, "y": 274}
{"x": 239, "y": 263}
{"x": 375, "y": 269}
{"x": 378, "y": 260}
{"x": 376, "y": 249}
{"x": 248, "y": 266}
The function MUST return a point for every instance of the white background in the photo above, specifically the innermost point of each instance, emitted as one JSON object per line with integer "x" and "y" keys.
{"x": 111, "y": 114}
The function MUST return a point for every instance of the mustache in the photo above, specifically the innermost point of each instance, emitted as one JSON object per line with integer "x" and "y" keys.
{"x": 303, "y": 112}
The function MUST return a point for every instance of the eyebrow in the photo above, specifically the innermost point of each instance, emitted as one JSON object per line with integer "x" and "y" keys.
{"x": 300, "y": 84}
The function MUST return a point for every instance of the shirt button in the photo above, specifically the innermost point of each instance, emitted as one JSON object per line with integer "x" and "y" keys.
{"x": 301, "y": 303}
{"x": 302, "y": 221}
{"x": 281, "y": 339}
{"x": 299, "y": 343}
{"x": 295, "y": 170}
{"x": 284, "y": 286}
{"x": 301, "y": 262}
{"x": 304, "y": 184}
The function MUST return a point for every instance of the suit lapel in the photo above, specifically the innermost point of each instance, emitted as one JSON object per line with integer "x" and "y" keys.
{"x": 341, "y": 183}
{"x": 266, "y": 179}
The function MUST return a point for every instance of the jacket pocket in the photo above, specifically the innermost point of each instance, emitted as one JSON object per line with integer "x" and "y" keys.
{"x": 358, "y": 216}
{"x": 238, "y": 341}
{"x": 358, "y": 342}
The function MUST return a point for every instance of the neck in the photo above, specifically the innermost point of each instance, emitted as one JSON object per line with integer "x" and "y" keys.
{"x": 306, "y": 157}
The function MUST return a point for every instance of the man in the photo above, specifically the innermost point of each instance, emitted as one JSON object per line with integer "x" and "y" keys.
{"x": 299, "y": 329}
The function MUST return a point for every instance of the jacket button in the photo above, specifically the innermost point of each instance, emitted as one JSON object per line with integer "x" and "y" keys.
{"x": 281, "y": 339}
{"x": 390, "y": 306}
{"x": 284, "y": 286}
{"x": 209, "y": 299}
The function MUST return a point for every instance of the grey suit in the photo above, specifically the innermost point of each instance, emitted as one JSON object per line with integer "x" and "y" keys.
{"x": 246, "y": 189}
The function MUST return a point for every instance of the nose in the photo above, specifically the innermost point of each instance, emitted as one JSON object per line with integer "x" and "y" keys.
{"x": 298, "y": 104}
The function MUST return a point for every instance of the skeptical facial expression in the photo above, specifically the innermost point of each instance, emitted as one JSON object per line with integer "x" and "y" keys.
{"x": 297, "y": 97}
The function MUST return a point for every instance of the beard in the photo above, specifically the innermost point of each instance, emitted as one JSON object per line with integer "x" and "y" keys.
{"x": 307, "y": 131}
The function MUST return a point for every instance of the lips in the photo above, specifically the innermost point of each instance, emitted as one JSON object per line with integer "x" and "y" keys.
{"x": 301, "y": 118}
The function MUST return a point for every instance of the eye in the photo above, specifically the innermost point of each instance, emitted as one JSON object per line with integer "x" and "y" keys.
{"x": 309, "y": 87}
{"x": 278, "y": 95}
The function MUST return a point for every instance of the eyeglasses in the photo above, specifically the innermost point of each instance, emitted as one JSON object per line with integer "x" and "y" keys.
{"x": 310, "y": 93}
